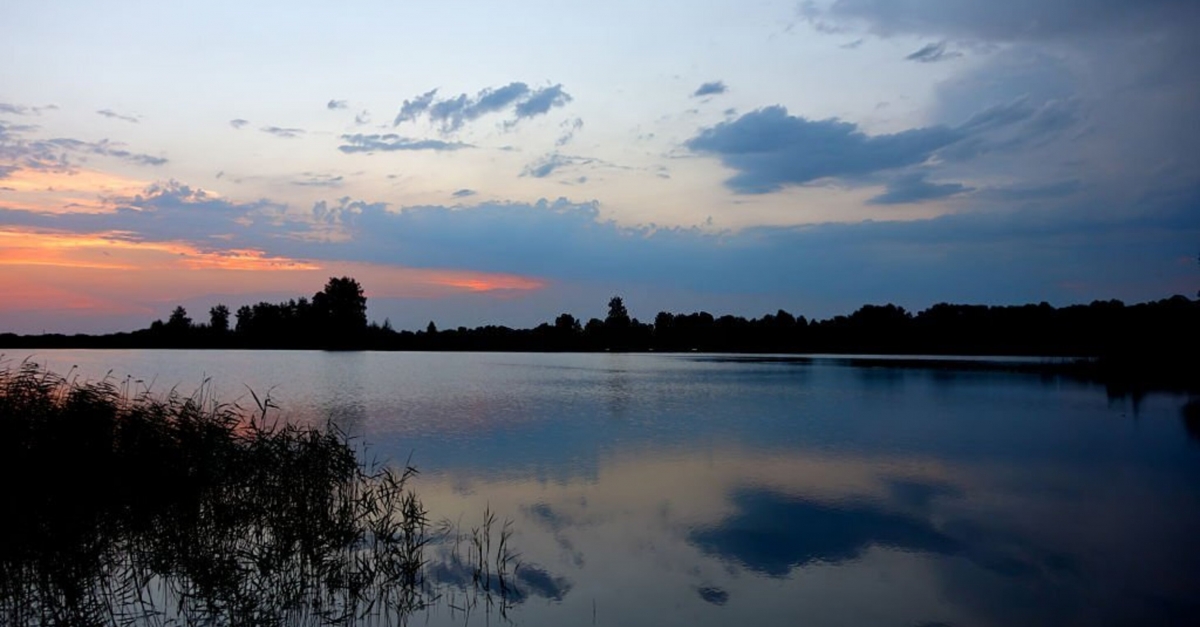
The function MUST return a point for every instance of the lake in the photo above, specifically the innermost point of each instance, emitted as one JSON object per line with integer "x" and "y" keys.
{"x": 648, "y": 489}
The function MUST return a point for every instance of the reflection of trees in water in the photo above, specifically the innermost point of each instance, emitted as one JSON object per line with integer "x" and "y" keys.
{"x": 341, "y": 381}
{"x": 124, "y": 509}
{"x": 617, "y": 392}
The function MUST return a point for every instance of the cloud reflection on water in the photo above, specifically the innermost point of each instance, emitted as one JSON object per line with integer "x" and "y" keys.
{"x": 774, "y": 536}
{"x": 773, "y": 533}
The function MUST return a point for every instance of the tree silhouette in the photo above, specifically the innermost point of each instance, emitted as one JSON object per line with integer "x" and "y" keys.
{"x": 219, "y": 319}
{"x": 179, "y": 322}
{"x": 244, "y": 315}
{"x": 618, "y": 316}
{"x": 341, "y": 308}
{"x": 566, "y": 323}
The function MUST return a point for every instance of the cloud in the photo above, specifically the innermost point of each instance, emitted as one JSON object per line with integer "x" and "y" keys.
{"x": 710, "y": 89}
{"x": 286, "y": 133}
{"x": 548, "y": 164}
{"x": 464, "y": 193}
{"x": 980, "y": 256}
{"x": 932, "y": 53}
{"x": 1032, "y": 254}
{"x": 451, "y": 114}
{"x": 334, "y": 105}
{"x": 911, "y": 188}
{"x": 1015, "y": 126}
{"x": 1026, "y": 193}
{"x": 319, "y": 180}
{"x": 1018, "y": 20}
{"x": 1000, "y": 115}
{"x": 771, "y": 149}
{"x": 490, "y": 100}
{"x": 108, "y": 149}
{"x": 392, "y": 142}
{"x": 14, "y": 109}
{"x": 1053, "y": 117}
{"x": 1121, "y": 71}
{"x": 238, "y": 123}
{"x": 570, "y": 127}
{"x": 113, "y": 115}
{"x": 413, "y": 109}
{"x": 363, "y": 117}
{"x": 55, "y": 153}
{"x": 171, "y": 211}
{"x": 541, "y": 101}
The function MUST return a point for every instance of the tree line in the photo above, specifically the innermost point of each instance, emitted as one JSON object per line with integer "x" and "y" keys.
{"x": 336, "y": 318}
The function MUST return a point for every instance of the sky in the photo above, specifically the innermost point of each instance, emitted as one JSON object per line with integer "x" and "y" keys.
{"x": 473, "y": 163}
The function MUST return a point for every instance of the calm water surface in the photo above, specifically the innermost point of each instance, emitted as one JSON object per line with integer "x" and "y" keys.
{"x": 694, "y": 490}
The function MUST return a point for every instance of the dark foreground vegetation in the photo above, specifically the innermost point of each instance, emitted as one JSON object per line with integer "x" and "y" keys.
{"x": 1155, "y": 341}
{"x": 125, "y": 509}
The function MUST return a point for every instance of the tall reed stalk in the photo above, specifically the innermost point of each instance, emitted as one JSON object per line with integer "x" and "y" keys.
{"x": 125, "y": 508}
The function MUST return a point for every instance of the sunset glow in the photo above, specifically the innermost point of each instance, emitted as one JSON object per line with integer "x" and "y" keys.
{"x": 66, "y": 191}
{"x": 489, "y": 283}
{"x": 688, "y": 312}
{"x": 114, "y": 273}
{"x": 120, "y": 251}
{"x": 808, "y": 156}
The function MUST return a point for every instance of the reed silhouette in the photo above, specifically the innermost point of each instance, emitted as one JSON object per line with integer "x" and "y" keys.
{"x": 123, "y": 508}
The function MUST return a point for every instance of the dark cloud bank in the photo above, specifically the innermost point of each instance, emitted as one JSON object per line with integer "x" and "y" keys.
{"x": 1122, "y": 75}
{"x": 993, "y": 257}
{"x": 771, "y": 149}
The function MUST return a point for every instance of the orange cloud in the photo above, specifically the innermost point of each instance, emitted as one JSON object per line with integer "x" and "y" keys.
{"x": 65, "y": 191}
{"x": 116, "y": 250}
{"x": 239, "y": 259}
